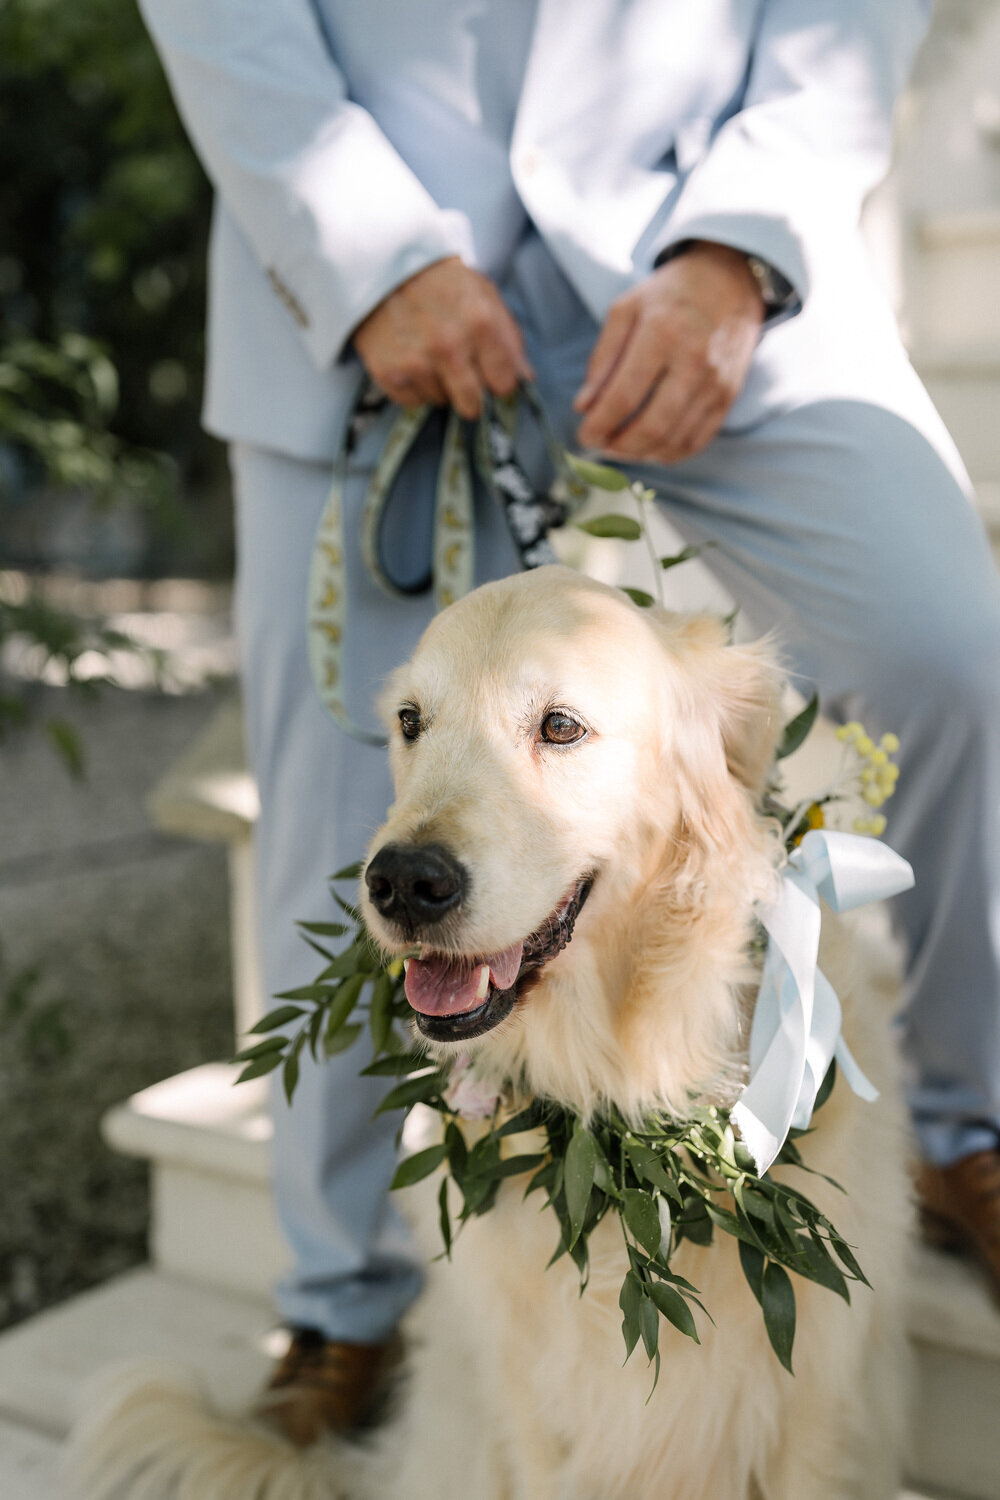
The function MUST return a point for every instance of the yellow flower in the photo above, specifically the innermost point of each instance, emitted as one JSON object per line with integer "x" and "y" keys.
{"x": 878, "y": 824}
{"x": 850, "y": 731}
{"x": 813, "y": 819}
{"x": 864, "y": 745}
{"x": 890, "y": 742}
{"x": 879, "y": 758}
{"x": 874, "y": 796}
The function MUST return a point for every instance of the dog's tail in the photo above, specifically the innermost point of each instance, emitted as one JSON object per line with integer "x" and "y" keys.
{"x": 145, "y": 1432}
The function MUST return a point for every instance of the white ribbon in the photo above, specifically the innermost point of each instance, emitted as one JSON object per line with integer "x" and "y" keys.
{"x": 796, "y": 1025}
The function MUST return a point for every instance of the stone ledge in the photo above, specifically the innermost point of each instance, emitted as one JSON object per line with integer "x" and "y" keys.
{"x": 209, "y": 793}
{"x": 198, "y": 1119}
{"x": 142, "y": 1314}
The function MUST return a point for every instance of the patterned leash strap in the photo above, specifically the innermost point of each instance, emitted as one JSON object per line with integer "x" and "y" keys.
{"x": 530, "y": 516}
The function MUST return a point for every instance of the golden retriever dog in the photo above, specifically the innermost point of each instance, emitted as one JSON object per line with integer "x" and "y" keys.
{"x": 577, "y": 847}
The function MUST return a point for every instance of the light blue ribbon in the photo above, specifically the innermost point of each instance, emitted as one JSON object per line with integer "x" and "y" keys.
{"x": 796, "y": 1025}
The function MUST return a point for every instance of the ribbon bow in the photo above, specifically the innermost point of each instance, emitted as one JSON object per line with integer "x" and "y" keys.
{"x": 796, "y": 1025}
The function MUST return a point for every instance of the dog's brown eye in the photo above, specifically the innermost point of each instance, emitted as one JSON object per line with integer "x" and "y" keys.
{"x": 560, "y": 729}
{"x": 409, "y": 722}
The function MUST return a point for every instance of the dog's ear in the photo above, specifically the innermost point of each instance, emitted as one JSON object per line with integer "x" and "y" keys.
{"x": 742, "y": 685}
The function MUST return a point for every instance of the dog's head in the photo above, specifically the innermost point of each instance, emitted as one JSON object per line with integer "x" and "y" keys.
{"x": 575, "y": 780}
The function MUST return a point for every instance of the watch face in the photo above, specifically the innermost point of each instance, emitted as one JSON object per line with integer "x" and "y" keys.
{"x": 776, "y": 290}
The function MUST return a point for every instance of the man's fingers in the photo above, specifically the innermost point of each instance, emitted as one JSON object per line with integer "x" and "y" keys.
{"x": 701, "y": 430}
{"x": 462, "y": 383}
{"x": 606, "y": 353}
{"x": 500, "y": 358}
{"x": 677, "y": 402}
{"x": 628, "y": 388}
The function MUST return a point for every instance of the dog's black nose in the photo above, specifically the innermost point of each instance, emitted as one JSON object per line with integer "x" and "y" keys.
{"x": 415, "y": 886}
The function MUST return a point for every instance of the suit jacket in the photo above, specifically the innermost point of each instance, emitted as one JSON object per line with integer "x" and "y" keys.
{"x": 349, "y": 147}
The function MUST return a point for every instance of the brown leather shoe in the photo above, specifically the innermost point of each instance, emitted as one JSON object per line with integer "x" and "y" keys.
{"x": 322, "y": 1386}
{"x": 960, "y": 1209}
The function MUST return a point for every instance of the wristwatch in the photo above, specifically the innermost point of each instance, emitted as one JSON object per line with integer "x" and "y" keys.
{"x": 777, "y": 292}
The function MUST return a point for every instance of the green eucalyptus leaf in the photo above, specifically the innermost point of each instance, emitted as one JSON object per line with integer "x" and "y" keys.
{"x": 262, "y": 1049}
{"x": 845, "y": 1254}
{"x": 752, "y": 1261}
{"x": 260, "y": 1067}
{"x": 417, "y": 1090}
{"x": 315, "y": 1031}
{"x": 380, "y": 1015}
{"x": 650, "y": 1165}
{"x": 797, "y": 729}
{"x": 345, "y": 964}
{"x": 630, "y": 1301}
{"x": 819, "y": 1267}
{"x": 516, "y": 1166}
{"x": 392, "y": 1067}
{"x": 315, "y": 994}
{"x": 826, "y": 1087}
{"x": 458, "y": 1152}
{"x": 778, "y": 1301}
{"x": 324, "y": 929}
{"x": 444, "y": 1216}
{"x": 525, "y": 1119}
{"x": 649, "y": 1324}
{"x": 350, "y": 872}
{"x": 674, "y": 1308}
{"x": 598, "y": 476}
{"x": 638, "y": 596}
{"x": 622, "y": 528}
{"x": 418, "y": 1166}
{"x": 290, "y": 1074}
{"x": 581, "y": 1161}
{"x": 275, "y": 1018}
{"x": 342, "y": 1039}
{"x": 643, "y": 1219}
{"x": 343, "y": 1001}
{"x": 686, "y": 554}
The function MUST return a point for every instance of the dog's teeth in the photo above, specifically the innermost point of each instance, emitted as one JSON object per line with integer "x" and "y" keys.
{"x": 483, "y": 985}
{"x": 406, "y": 965}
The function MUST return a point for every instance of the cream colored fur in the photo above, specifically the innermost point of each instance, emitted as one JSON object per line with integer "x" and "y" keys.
{"x": 516, "y": 1389}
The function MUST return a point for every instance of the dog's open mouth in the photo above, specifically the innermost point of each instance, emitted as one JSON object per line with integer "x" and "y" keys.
{"x": 458, "y": 998}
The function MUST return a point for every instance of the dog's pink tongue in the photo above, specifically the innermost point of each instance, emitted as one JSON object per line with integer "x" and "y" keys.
{"x": 442, "y": 986}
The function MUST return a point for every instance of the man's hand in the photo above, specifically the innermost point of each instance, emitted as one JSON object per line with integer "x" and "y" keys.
{"x": 672, "y": 357}
{"x": 441, "y": 337}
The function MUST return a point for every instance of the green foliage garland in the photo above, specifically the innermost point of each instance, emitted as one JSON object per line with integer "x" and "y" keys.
{"x": 667, "y": 1180}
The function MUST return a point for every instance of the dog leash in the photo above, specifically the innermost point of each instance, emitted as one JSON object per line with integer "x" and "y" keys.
{"x": 530, "y": 516}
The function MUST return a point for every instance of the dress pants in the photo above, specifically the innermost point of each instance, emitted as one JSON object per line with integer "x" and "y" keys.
{"x": 845, "y": 526}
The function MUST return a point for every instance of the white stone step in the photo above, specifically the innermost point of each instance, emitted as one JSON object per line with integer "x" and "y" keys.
{"x": 953, "y": 293}
{"x": 209, "y": 793}
{"x": 955, "y": 1332}
{"x": 28, "y": 1461}
{"x": 964, "y": 384}
{"x": 225, "y": 1340}
{"x": 208, "y": 1143}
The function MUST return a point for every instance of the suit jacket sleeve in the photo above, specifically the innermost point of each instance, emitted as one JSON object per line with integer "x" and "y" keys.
{"x": 812, "y": 136}
{"x": 332, "y": 212}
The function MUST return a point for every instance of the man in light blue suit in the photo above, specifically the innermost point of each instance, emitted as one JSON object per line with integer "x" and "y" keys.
{"x": 653, "y": 205}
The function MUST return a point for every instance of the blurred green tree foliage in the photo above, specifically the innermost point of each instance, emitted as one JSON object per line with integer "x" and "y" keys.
{"x": 104, "y": 214}
{"x": 103, "y": 220}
